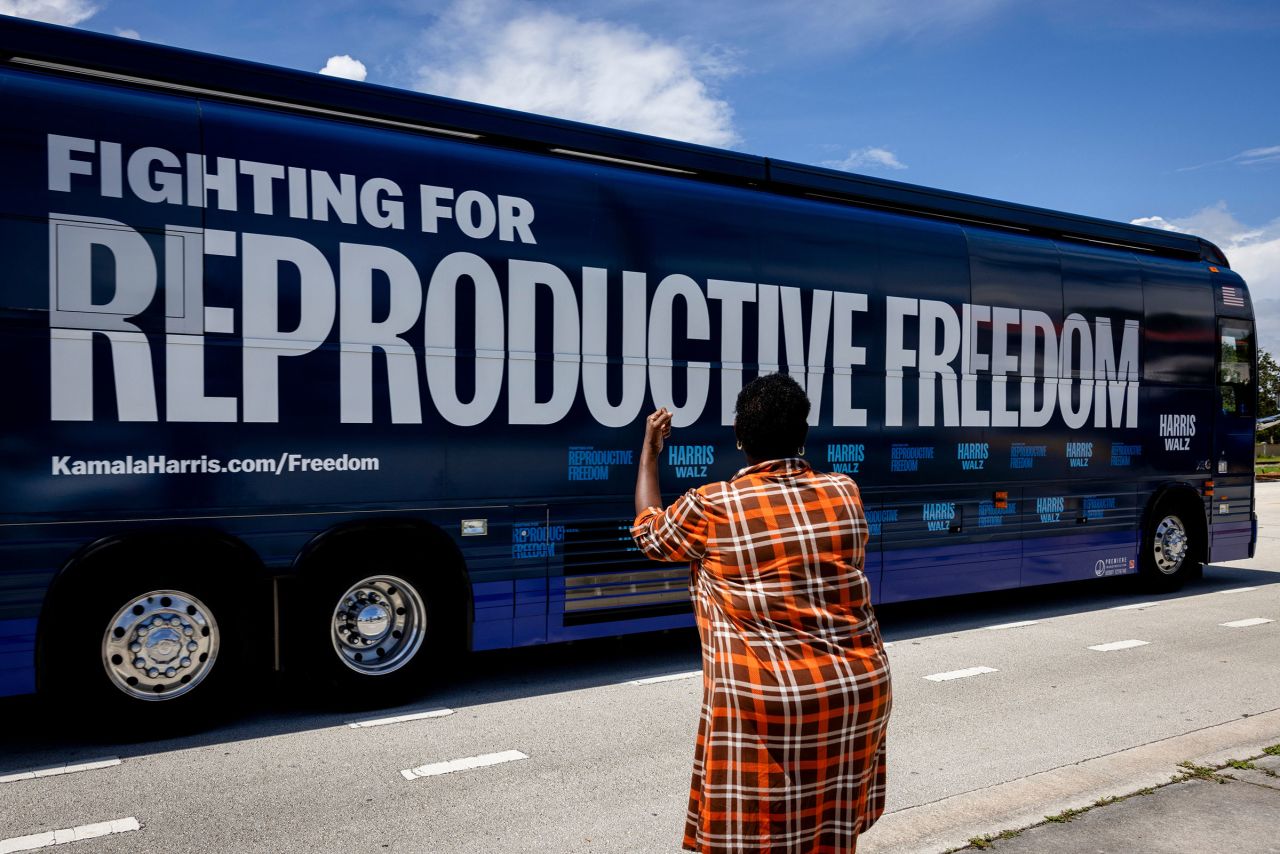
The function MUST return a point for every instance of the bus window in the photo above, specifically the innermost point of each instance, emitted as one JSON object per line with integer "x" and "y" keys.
{"x": 1235, "y": 367}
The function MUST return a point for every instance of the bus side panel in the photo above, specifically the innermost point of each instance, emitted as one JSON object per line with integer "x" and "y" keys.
{"x": 1179, "y": 341}
{"x": 1081, "y": 509}
{"x": 819, "y": 247}
{"x": 1179, "y": 389}
{"x": 940, "y": 531}
{"x": 671, "y": 234}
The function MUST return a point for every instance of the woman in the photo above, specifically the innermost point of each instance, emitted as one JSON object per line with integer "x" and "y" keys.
{"x": 796, "y": 691}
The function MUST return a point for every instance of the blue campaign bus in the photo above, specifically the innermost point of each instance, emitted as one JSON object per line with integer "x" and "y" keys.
{"x": 318, "y": 376}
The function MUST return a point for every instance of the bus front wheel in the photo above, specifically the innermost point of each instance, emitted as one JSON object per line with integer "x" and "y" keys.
{"x": 149, "y": 655}
{"x": 160, "y": 645}
{"x": 1172, "y": 550}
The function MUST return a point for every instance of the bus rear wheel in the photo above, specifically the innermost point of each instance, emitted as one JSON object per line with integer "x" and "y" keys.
{"x": 1172, "y": 550}
{"x": 379, "y": 625}
{"x": 375, "y": 636}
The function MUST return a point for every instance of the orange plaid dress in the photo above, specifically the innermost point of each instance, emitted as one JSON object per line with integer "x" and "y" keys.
{"x": 796, "y": 690}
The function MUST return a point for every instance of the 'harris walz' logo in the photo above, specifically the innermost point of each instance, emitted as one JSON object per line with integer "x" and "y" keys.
{"x": 938, "y": 515}
{"x": 846, "y": 458}
{"x": 690, "y": 460}
{"x": 972, "y": 455}
{"x": 1051, "y": 508}
{"x": 1079, "y": 454}
{"x": 1177, "y": 430}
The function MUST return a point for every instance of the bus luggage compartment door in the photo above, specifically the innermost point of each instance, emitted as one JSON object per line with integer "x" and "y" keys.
{"x": 936, "y": 544}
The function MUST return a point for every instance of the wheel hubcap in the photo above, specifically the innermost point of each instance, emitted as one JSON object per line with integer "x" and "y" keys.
{"x": 379, "y": 625}
{"x": 1170, "y": 545}
{"x": 160, "y": 645}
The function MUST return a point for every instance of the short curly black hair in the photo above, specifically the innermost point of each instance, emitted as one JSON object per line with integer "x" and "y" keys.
{"x": 771, "y": 417}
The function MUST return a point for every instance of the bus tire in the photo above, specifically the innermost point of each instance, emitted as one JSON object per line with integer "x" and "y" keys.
{"x": 1172, "y": 546}
{"x": 378, "y": 631}
{"x": 151, "y": 652}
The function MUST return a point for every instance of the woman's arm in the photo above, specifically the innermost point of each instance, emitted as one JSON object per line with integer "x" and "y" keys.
{"x": 680, "y": 531}
{"x": 656, "y": 429}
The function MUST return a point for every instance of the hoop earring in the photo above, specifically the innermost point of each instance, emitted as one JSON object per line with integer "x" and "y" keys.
{"x": 801, "y": 451}
{"x": 739, "y": 444}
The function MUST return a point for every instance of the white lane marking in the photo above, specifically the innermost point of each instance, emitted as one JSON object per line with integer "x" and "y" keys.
{"x": 1124, "y": 644}
{"x": 670, "y": 677}
{"x": 1252, "y": 621}
{"x": 1019, "y": 624}
{"x": 55, "y": 770}
{"x": 960, "y": 674}
{"x": 437, "y": 768}
{"x": 400, "y": 719}
{"x": 50, "y": 838}
{"x": 1135, "y": 606}
{"x": 1238, "y": 590}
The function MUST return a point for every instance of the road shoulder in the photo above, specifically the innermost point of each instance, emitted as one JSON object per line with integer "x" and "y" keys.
{"x": 952, "y": 822}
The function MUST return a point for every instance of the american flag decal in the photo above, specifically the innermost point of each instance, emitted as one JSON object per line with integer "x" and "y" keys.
{"x": 1232, "y": 296}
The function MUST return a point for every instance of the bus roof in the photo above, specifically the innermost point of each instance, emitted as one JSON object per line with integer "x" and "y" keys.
{"x": 129, "y": 61}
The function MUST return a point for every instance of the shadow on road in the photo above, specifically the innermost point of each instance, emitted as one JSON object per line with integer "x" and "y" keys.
{"x": 33, "y": 737}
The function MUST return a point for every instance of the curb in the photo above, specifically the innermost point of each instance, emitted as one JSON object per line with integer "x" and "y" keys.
{"x": 951, "y": 822}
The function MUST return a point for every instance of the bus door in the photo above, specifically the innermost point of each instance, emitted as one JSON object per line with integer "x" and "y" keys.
{"x": 1231, "y": 522}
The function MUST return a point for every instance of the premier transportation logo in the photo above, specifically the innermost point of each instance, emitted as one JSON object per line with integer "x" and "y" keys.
{"x": 1113, "y": 566}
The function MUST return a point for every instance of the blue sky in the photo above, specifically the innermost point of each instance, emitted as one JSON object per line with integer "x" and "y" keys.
{"x": 1163, "y": 112}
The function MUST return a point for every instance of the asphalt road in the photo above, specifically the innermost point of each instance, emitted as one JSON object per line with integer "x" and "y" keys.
{"x": 607, "y": 764}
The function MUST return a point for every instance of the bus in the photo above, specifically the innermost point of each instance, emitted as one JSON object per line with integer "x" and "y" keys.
{"x": 317, "y": 376}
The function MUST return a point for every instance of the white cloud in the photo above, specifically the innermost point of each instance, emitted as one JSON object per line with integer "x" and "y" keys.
{"x": 870, "y": 159}
{"x": 1254, "y": 253}
{"x": 128, "y": 34}
{"x": 587, "y": 70}
{"x": 1248, "y": 157}
{"x": 345, "y": 66}
{"x": 65, "y": 12}
{"x": 1266, "y": 154}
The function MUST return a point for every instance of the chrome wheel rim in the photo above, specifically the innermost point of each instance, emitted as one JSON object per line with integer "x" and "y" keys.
{"x": 160, "y": 645}
{"x": 1170, "y": 545}
{"x": 378, "y": 625}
